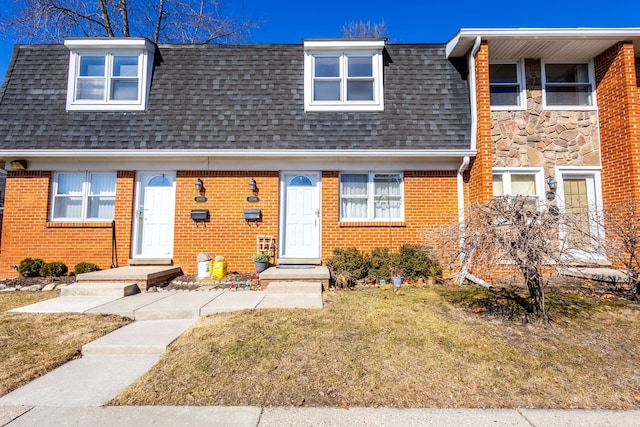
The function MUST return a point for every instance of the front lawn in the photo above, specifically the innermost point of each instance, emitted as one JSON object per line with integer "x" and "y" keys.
{"x": 431, "y": 347}
{"x": 33, "y": 344}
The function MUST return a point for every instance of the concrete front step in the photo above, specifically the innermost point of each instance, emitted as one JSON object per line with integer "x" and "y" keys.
{"x": 316, "y": 274}
{"x": 294, "y": 288}
{"x": 99, "y": 289}
{"x": 144, "y": 276}
{"x": 141, "y": 337}
{"x": 149, "y": 261}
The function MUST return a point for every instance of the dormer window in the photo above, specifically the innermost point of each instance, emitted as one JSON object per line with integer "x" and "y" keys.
{"x": 343, "y": 75}
{"x": 109, "y": 74}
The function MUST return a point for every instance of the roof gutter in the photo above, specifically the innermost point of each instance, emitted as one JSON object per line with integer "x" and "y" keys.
{"x": 13, "y": 154}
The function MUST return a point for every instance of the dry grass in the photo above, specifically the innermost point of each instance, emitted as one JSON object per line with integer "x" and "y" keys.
{"x": 33, "y": 344}
{"x": 373, "y": 348}
{"x": 11, "y": 300}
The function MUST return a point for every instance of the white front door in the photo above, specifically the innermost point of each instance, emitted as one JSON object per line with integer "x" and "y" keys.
{"x": 154, "y": 215}
{"x": 301, "y": 215}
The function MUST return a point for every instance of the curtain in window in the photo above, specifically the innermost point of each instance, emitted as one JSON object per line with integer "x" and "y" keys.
{"x": 354, "y": 195}
{"x": 498, "y": 186}
{"x": 68, "y": 197}
{"x": 101, "y": 203}
{"x": 523, "y": 185}
{"x": 388, "y": 196}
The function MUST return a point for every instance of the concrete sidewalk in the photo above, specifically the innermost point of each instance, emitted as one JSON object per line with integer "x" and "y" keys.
{"x": 76, "y": 393}
{"x": 183, "y": 304}
{"x": 251, "y": 416}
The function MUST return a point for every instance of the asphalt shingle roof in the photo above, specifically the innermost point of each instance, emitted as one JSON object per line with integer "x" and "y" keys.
{"x": 236, "y": 97}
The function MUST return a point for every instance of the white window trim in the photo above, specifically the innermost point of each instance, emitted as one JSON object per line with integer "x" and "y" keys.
{"x": 506, "y": 184}
{"x": 592, "y": 80}
{"x": 563, "y": 172}
{"x": 371, "y": 197}
{"x": 520, "y": 71}
{"x": 101, "y": 47}
{"x": 344, "y": 48}
{"x": 85, "y": 197}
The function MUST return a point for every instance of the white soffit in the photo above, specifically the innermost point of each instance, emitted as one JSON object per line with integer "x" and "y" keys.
{"x": 544, "y": 43}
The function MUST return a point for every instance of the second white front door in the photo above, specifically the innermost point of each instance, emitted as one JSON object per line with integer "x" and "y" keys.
{"x": 153, "y": 237}
{"x": 301, "y": 215}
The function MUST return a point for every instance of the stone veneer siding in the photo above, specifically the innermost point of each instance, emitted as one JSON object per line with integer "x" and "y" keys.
{"x": 535, "y": 137}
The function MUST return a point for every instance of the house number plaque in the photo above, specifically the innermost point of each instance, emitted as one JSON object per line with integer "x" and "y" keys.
{"x": 253, "y": 199}
{"x": 200, "y": 199}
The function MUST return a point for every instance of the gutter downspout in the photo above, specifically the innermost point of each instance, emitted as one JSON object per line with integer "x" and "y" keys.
{"x": 466, "y": 159}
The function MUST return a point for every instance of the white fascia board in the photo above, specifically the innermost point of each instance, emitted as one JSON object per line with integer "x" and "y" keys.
{"x": 109, "y": 43}
{"x": 14, "y": 154}
{"x": 334, "y": 44}
{"x": 460, "y": 43}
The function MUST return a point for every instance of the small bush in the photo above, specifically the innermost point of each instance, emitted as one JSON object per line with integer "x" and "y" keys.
{"x": 380, "y": 262}
{"x": 30, "y": 267}
{"x": 350, "y": 260}
{"x": 85, "y": 267}
{"x": 53, "y": 269}
{"x": 411, "y": 262}
{"x": 417, "y": 261}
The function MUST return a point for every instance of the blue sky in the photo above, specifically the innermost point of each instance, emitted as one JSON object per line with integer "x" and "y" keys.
{"x": 413, "y": 21}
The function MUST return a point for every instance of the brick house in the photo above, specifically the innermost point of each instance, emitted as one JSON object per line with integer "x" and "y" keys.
{"x": 113, "y": 145}
{"x": 561, "y": 104}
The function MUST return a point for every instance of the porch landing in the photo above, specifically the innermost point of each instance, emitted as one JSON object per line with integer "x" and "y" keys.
{"x": 143, "y": 276}
{"x": 313, "y": 274}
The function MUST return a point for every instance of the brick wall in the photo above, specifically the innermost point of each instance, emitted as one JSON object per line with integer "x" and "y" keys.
{"x": 227, "y": 233}
{"x": 27, "y": 233}
{"x": 618, "y": 96}
{"x": 479, "y": 176}
{"x": 430, "y": 201}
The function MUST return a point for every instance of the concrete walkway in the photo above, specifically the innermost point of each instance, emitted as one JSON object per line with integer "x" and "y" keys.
{"x": 251, "y": 416}
{"x": 76, "y": 393}
{"x": 180, "y": 304}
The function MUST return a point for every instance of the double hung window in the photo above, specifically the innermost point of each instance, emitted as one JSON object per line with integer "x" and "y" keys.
{"x": 568, "y": 85}
{"x": 371, "y": 197}
{"x": 507, "y": 89}
{"x": 519, "y": 183}
{"x": 343, "y": 76}
{"x": 83, "y": 196}
{"x": 109, "y": 76}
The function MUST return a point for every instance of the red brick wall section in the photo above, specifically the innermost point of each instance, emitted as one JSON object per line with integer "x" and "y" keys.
{"x": 430, "y": 201}
{"x": 479, "y": 176}
{"x": 227, "y": 233}
{"x": 618, "y": 96}
{"x": 27, "y": 233}
{"x": 125, "y": 193}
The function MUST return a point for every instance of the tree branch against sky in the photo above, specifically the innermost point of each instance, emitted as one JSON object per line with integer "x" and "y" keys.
{"x": 162, "y": 21}
{"x": 362, "y": 29}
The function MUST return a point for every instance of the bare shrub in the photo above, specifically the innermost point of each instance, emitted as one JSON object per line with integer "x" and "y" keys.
{"x": 510, "y": 235}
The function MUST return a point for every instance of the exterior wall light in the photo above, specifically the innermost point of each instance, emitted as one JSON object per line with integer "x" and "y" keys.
{"x": 199, "y": 185}
{"x": 253, "y": 186}
{"x": 553, "y": 186}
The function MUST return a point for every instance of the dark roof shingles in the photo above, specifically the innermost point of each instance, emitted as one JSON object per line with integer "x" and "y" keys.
{"x": 237, "y": 97}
